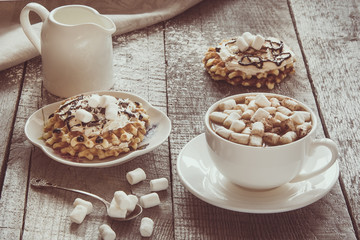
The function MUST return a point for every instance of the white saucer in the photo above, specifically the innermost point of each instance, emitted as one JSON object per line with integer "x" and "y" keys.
{"x": 198, "y": 174}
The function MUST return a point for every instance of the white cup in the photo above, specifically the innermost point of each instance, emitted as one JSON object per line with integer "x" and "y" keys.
{"x": 265, "y": 167}
{"x": 76, "y": 48}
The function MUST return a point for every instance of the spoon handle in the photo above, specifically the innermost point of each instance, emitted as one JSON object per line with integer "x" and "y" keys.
{"x": 41, "y": 183}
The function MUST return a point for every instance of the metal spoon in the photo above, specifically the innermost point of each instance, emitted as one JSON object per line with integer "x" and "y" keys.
{"x": 42, "y": 183}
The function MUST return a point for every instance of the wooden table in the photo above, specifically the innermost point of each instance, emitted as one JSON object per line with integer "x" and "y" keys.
{"x": 163, "y": 64}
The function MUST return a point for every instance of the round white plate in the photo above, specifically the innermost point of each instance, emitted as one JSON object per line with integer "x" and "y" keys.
{"x": 158, "y": 132}
{"x": 198, "y": 174}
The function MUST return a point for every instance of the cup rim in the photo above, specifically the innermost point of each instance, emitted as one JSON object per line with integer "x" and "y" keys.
{"x": 215, "y": 105}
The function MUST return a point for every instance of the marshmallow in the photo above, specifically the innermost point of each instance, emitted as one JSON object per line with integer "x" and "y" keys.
{"x": 292, "y": 105}
{"x": 218, "y": 117}
{"x": 115, "y": 211}
{"x": 274, "y": 102}
{"x": 106, "y": 233}
{"x": 262, "y": 101}
{"x": 83, "y": 115}
{"x": 287, "y": 125}
{"x": 224, "y": 132}
{"x": 297, "y": 118}
{"x": 248, "y": 37}
{"x": 232, "y": 117}
{"x": 303, "y": 129}
{"x": 288, "y": 137}
{"x": 146, "y": 227}
{"x": 284, "y": 110}
{"x": 280, "y": 116}
{"x": 238, "y": 111}
{"x": 258, "y": 42}
{"x": 258, "y": 129}
{"x": 271, "y": 138}
{"x": 247, "y": 131}
{"x": 240, "y": 138}
{"x": 228, "y": 104}
{"x": 271, "y": 110}
{"x": 248, "y": 99}
{"x": 122, "y": 199}
{"x": 247, "y": 114}
{"x": 242, "y": 44}
{"x": 105, "y": 100}
{"x": 133, "y": 201}
{"x": 306, "y": 115}
{"x": 94, "y": 100}
{"x": 241, "y": 107}
{"x": 149, "y": 200}
{"x": 135, "y": 176}
{"x": 111, "y": 111}
{"x": 159, "y": 184}
{"x": 259, "y": 115}
{"x": 224, "y": 53}
{"x": 87, "y": 204}
{"x": 252, "y": 105}
{"x": 237, "y": 126}
{"x": 78, "y": 214}
{"x": 255, "y": 141}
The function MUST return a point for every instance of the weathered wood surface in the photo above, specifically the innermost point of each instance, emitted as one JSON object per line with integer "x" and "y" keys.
{"x": 163, "y": 64}
{"x": 332, "y": 57}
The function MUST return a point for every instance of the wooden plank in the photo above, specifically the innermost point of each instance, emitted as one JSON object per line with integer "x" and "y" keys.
{"x": 332, "y": 55}
{"x": 191, "y": 92}
{"x": 10, "y": 216}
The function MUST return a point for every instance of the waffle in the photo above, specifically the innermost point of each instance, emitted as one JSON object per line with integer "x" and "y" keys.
{"x": 71, "y": 134}
{"x": 266, "y": 66}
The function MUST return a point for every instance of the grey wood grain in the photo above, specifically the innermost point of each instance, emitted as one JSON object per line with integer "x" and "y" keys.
{"x": 332, "y": 57}
{"x": 191, "y": 91}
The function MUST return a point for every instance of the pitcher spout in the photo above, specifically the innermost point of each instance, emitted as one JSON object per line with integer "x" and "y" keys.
{"x": 78, "y": 15}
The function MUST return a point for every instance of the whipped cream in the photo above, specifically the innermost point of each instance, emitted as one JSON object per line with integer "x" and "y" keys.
{"x": 274, "y": 54}
{"x": 108, "y": 113}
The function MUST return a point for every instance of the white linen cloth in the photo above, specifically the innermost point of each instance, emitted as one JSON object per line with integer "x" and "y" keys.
{"x": 16, "y": 48}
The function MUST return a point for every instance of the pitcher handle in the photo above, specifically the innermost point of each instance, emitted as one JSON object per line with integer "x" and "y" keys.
{"x": 25, "y": 22}
{"x": 325, "y": 142}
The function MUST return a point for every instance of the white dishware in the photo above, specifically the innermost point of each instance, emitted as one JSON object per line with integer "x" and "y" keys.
{"x": 75, "y": 46}
{"x": 270, "y": 166}
{"x": 157, "y": 133}
{"x": 199, "y": 175}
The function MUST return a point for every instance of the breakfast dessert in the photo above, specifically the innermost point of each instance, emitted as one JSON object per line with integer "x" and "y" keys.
{"x": 90, "y": 126}
{"x": 260, "y": 121}
{"x": 250, "y": 61}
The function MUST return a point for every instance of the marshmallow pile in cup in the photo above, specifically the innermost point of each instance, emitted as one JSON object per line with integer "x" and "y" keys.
{"x": 258, "y": 120}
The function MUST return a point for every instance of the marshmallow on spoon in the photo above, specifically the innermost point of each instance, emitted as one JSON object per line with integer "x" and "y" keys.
{"x": 122, "y": 199}
{"x": 106, "y": 233}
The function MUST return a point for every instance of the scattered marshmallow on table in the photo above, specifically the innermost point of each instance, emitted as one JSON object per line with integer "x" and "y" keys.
{"x": 135, "y": 176}
{"x": 82, "y": 208}
{"x": 87, "y": 204}
{"x": 78, "y": 214}
{"x": 149, "y": 200}
{"x": 146, "y": 227}
{"x": 159, "y": 184}
{"x": 106, "y": 232}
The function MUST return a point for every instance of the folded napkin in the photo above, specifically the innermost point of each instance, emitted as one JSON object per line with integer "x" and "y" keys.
{"x": 16, "y": 48}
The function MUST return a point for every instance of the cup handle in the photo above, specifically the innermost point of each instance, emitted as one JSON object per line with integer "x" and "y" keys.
{"x": 25, "y": 22}
{"x": 330, "y": 144}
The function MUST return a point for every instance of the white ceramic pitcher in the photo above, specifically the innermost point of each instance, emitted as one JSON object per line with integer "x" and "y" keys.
{"x": 75, "y": 46}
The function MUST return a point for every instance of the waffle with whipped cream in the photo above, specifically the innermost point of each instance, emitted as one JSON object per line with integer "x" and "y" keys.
{"x": 94, "y": 126}
{"x": 250, "y": 61}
